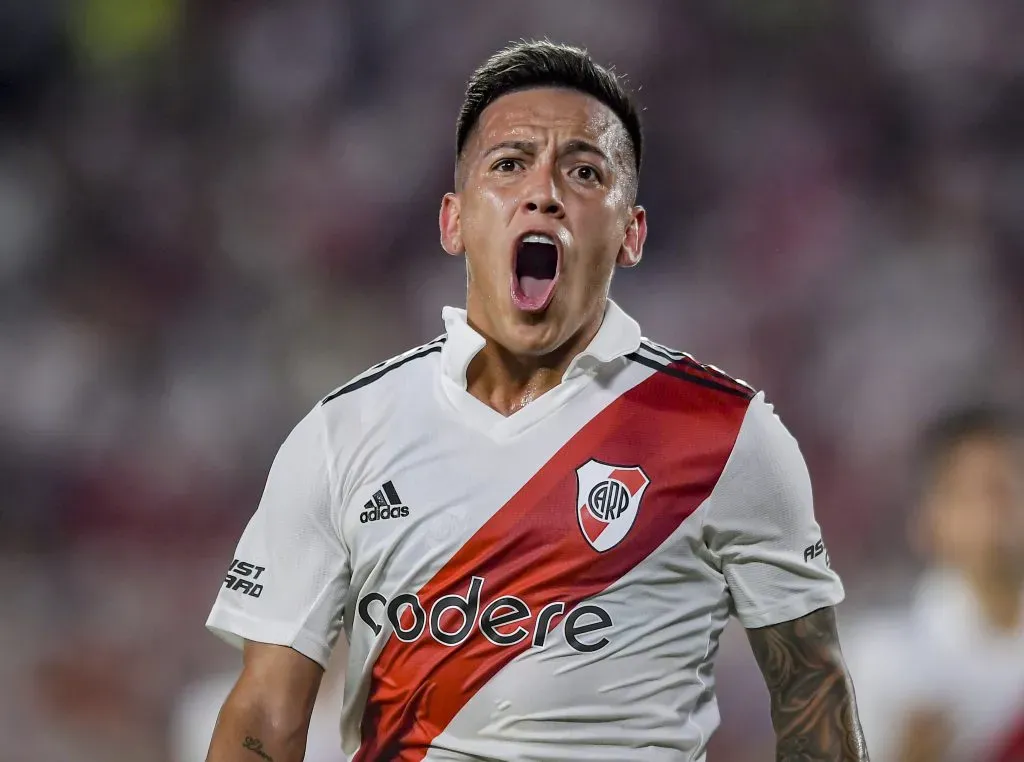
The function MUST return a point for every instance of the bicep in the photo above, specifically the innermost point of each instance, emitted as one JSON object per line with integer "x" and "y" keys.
{"x": 279, "y": 680}
{"x": 813, "y": 706}
{"x": 267, "y": 713}
{"x": 801, "y": 650}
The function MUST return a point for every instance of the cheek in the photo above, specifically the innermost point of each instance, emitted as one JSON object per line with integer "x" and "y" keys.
{"x": 975, "y": 530}
{"x": 617, "y": 196}
{"x": 486, "y": 247}
{"x": 604, "y": 234}
{"x": 482, "y": 214}
{"x": 490, "y": 201}
{"x": 618, "y": 216}
{"x": 954, "y": 535}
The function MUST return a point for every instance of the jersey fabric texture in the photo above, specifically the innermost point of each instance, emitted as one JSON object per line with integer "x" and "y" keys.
{"x": 550, "y": 585}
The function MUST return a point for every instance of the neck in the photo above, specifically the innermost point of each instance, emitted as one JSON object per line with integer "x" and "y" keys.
{"x": 1001, "y": 599}
{"x": 507, "y": 382}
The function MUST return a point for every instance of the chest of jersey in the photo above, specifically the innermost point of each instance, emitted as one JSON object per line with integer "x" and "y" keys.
{"x": 452, "y": 532}
{"x": 504, "y": 580}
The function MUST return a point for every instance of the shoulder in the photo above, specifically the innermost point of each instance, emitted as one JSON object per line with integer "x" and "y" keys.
{"x": 760, "y": 448}
{"x": 694, "y": 376}
{"x": 382, "y": 376}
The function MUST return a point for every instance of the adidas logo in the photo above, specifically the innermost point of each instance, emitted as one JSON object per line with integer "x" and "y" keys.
{"x": 386, "y": 504}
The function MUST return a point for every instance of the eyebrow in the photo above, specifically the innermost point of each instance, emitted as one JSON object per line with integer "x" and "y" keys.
{"x": 530, "y": 148}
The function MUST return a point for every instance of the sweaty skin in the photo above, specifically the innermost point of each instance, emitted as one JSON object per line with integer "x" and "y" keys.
{"x": 545, "y": 160}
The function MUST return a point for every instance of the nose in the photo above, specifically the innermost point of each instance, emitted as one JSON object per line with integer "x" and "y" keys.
{"x": 543, "y": 195}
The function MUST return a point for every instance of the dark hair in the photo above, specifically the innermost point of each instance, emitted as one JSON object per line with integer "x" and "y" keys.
{"x": 966, "y": 423}
{"x": 542, "y": 63}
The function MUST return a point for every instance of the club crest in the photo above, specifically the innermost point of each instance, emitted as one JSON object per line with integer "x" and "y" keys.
{"x": 607, "y": 501}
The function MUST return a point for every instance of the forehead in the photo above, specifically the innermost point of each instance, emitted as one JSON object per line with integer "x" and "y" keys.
{"x": 537, "y": 112}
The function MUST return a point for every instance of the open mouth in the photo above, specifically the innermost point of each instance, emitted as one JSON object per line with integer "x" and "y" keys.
{"x": 536, "y": 272}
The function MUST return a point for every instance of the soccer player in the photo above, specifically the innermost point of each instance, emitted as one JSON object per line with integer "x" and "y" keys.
{"x": 534, "y": 528}
{"x": 945, "y": 681}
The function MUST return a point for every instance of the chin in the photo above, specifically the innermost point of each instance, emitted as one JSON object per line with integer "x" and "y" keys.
{"x": 534, "y": 335}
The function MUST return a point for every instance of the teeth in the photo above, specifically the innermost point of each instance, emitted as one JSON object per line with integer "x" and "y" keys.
{"x": 538, "y": 238}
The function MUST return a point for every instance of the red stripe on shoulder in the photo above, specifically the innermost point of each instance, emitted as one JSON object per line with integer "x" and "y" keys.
{"x": 668, "y": 441}
{"x": 687, "y": 369}
{"x": 714, "y": 374}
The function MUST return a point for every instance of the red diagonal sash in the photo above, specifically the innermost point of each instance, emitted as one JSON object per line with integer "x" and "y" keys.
{"x": 680, "y": 433}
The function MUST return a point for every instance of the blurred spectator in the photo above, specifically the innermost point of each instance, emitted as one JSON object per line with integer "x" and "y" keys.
{"x": 945, "y": 680}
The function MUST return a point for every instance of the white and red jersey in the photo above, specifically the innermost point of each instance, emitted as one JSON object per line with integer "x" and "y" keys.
{"x": 940, "y": 656}
{"x": 549, "y": 585}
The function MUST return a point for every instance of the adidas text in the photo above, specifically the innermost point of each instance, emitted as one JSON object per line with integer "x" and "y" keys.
{"x": 387, "y": 512}
{"x": 385, "y": 504}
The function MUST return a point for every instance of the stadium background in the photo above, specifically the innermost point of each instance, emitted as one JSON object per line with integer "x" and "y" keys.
{"x": 212, "y": 213}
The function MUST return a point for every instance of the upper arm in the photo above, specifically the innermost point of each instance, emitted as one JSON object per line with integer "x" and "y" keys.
{"x": 268, "y": 711}
{"x": 278, "y": 682}
{"x": 287, "y": 583}
{"x": 813, "y": 705}
{"x": 803, "y": 649}
{"x": 761, "y": 528}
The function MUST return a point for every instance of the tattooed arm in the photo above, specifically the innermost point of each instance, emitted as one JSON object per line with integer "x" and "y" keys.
{"x": 814, "y": 711}
{"x": 266, "y": 716}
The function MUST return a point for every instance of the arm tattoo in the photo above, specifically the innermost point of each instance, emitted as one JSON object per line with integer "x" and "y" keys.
{"x": 814, "y": 711}
{"x": 256, "y": 745}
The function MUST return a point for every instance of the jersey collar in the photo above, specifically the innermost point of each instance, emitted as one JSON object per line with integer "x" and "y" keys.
{"x": 618, "y": 335}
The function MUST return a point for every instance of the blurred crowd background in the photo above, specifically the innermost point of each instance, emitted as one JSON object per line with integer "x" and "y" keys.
{"x": 212, "y": 213}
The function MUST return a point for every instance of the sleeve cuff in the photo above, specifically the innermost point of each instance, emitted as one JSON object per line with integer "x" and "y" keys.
{"x": 234, "y": 628}
{"x": 792, "y": 609}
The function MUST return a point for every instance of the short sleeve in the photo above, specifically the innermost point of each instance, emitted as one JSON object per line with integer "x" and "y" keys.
{"x": 287, "y": 582}
{"x": 760, "y": 526}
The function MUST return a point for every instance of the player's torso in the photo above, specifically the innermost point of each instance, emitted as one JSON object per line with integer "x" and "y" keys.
{"x": 537, "y": 588}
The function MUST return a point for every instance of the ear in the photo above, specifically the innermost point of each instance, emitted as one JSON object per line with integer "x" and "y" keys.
{"x": 633, "y": 241}
{"x": 449, "y": 220}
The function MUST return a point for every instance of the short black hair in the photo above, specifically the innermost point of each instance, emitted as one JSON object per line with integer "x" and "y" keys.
{"x": 542, "y": 63}
{"x": 964, "y": 424}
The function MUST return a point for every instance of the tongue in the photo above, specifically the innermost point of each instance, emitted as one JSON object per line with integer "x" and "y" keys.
{"x": 533, "y": 287}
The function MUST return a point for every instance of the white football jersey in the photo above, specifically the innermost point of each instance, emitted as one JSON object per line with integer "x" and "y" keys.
{"x": 940, "y": 656}
{"x": 549, "y": 585}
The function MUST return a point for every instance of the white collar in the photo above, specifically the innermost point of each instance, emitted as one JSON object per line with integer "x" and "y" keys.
{"x": 618, "y": 335}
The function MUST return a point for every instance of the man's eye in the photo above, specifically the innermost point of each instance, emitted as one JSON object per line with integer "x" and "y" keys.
{"x": 586, "y": 173}
{"x": 506, "y": 165}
